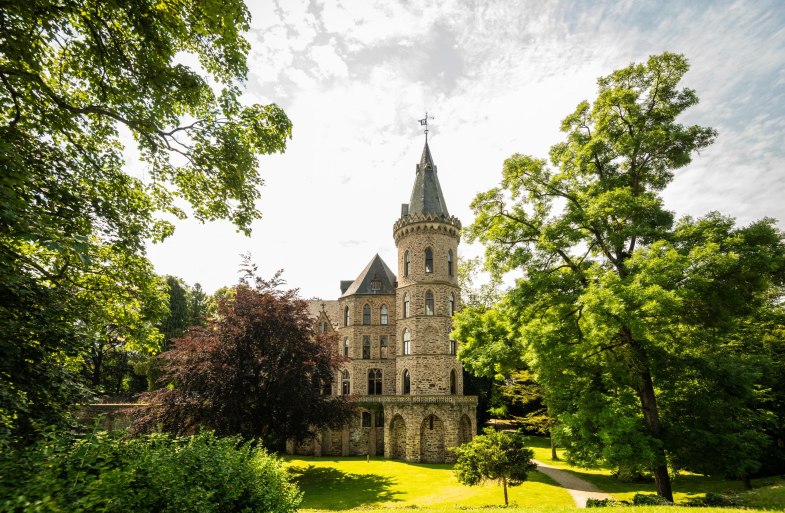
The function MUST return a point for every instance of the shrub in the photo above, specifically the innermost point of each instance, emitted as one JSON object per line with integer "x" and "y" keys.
{"x": 156, "y": 473}
{"x": 605, "y": 503}
{"x": 650, "y": 499}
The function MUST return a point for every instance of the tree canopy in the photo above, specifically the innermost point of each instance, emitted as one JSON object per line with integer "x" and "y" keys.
{"x": 257, "y": 369}
{"x": 78, "y": 80}
{"x": 637, "y": 321}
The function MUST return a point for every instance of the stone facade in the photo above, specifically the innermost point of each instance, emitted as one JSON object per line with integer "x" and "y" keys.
{"x": 400, "y": 366}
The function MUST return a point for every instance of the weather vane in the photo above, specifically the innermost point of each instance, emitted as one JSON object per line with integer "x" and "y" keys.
{"x": 424, "y": 122}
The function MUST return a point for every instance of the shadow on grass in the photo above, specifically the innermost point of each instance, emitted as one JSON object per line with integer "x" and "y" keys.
{"x": 328, "y": 488}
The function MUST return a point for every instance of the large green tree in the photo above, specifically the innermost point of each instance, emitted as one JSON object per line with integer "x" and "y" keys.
{"x": 78, "y": 79}
{"x": 626, "y": 312}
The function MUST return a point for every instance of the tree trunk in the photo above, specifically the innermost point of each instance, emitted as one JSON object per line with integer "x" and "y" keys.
{"x": 554, "y": 456}
{"x": 652, "y": 419}
{"x": 504, "y": 483}
{"x": 747, "y": 482}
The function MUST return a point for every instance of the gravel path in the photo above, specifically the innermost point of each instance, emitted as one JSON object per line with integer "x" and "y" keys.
{"x": 578, "y": 488}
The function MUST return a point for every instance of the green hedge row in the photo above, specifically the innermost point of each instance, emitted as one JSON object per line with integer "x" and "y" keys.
{"x": 158, "y": 473}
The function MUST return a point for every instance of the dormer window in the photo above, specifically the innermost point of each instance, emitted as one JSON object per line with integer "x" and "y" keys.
{"x": 428, "y": 260}
{"x": 376, "y": 284}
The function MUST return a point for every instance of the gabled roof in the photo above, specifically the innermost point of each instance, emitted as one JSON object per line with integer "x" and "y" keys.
{"x": 376, "y": 278}
{"x": 330, "y": 309}
{"x": 427, "y": 197}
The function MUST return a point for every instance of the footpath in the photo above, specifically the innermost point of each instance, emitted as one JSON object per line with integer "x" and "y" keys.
{"x": 579, "y": 489}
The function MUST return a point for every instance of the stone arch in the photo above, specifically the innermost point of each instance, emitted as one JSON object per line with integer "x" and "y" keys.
{"x": 432, "y": 440}
{"x": 464, "y": 430}
{"x": 398, "y": 438}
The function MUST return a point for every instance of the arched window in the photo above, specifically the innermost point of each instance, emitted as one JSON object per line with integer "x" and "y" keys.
{"x": 452, "y": 304}
{"x": 345, "y": 385}
{"x": 374, "y": 382}
{"x": 428, "y": 260}
{"x": 452, "y": 382}
{"x": 407, "y": 341}
{"x": 346, "y": 316}
{"x": 383, "y": 314}
{"x": 366, "y": 347}
{"x": 383, "y": 346}
{"x": 407, "y": 382}
{"x": 429, "y": 303}
{"x": 406, "y": 305}
{"x": 449, "y": 262}
{"x": 407, "y": 259}
{"x": 346, "y": 346}
{"x": 367, "y": 314}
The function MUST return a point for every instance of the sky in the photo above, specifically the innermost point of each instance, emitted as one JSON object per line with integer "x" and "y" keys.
{"x": 498, "y": 77}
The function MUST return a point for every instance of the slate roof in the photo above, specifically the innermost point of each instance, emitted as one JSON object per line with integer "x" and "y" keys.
{"x": 330, "y": 308}
{"x": 375, "y": 270}
{"x": 427, "y": 197}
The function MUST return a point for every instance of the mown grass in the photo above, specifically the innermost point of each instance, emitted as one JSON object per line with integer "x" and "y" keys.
{"x": 767, "y": 493}
{"x": 353, "y": 482}
{"x": 379, "y": 485}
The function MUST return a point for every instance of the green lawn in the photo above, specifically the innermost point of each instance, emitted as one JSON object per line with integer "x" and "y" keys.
{"x": 768, "y": 493}
{"x": 352, "y": 482}
{"x": 337, "y": 484}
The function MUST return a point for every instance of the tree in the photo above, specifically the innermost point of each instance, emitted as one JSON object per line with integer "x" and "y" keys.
{"x": 621, "y": 308}
{"x": 74, "y": 77}
{"x": 494, "y": 455}
{"x": 198, "y": 305}
{"x": 256, "y": 370}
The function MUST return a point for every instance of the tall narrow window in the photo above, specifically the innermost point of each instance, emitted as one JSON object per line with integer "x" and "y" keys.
{"x": 407, "y": 382}
{"x": 428, "y": 260}
{"x": 346, "y": 346}
{"x": 366, "y": 347}
{"x": 383, "y": 344}
{"x": 429, "y": 303}
{"x": 452, "y": 304}
{"x": 449, "y": 262}
{"x": 345, "y": 385}
{"x": 366, "y": 419}
{"x": 407, "y": 259}
{"x": 407, "y": 341}
{"x": 346, "y": 316}
{"x": 452, "y": 382}
{"x": 367, "y": 314}
{"x": 406, "y": 305}
{"x": 453, "y": 347}
{"x": 374, "y": 382}
{"x": 383, "y": 314}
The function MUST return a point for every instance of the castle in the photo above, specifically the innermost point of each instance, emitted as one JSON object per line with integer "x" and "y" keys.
{"x": 400, "y": 369}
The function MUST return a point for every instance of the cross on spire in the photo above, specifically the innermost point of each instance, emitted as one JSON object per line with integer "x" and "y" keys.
{"x": 424, "y": 122}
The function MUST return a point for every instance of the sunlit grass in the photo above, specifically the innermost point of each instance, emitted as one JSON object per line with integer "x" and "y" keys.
{"x": 352, "y": 482}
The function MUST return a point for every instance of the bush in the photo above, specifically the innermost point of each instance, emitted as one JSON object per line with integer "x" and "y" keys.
{"x": 605, "y": 503}
{"x": 156, "y": 473}
{"x": 712, "y": 499}
{"x": 650, "y": 499}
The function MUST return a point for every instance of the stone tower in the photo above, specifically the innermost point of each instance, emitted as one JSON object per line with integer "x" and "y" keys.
{"x": 400, "y": 366}
{"x": 437, "y": 416}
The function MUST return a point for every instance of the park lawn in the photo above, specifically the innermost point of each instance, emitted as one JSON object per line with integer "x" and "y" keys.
{"x": 767, "y": 493}
{"x": 334, "y": 484}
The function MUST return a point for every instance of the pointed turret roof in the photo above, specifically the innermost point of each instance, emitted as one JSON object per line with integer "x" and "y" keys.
{"x": 427, "y": 197}
{"x": 376, "y": 278}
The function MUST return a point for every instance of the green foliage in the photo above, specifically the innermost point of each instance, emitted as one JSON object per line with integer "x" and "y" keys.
{"x": 642, "y": 330}
{"x": 604, "y": 503}
{"x": 494, "y": 455}
{"x": 75, "y": 78}
{"x": 159, "y": 473}
{"x": 649, "y": 499}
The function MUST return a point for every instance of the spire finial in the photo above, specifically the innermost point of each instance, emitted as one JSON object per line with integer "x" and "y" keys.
{"x": 424, "y": 122}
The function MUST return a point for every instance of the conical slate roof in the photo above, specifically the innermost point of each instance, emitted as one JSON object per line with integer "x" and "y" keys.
{"x": 427, "y": 197}
{"x": 376, "y": 278}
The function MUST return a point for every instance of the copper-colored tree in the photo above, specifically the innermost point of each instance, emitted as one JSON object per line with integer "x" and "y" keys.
{"x": 257, "y": 369}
